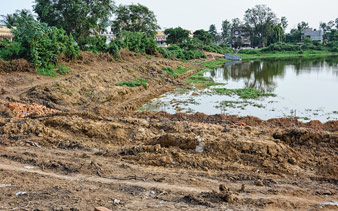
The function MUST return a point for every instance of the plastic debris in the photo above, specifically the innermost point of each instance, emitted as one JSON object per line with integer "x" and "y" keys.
{"x": 5, "y": 185}
{"x": 117, "y": 201}
{"x": 28, "y": 167}
{"x": 21, "y": 193}
{"x": 200, "y": 147}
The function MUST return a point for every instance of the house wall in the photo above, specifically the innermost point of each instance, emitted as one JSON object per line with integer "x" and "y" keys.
{"x": 240, "y": 34}
{"x": 5, "y": 33}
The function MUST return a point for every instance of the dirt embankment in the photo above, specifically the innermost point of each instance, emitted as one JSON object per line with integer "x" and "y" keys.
{"x": 95, "y": 151}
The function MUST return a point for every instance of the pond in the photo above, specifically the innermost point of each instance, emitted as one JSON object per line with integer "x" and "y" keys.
{"x": 303, "y": 88}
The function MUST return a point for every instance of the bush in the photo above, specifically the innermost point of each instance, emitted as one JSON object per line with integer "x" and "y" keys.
{"x": 38, "y": 43}
{"x": 249, "y": 51}
{"x": 174, "y": 51}
{"x": 280, "y": 46}
{"x": 133, "y": 41}
{"x": 95, "y": 44}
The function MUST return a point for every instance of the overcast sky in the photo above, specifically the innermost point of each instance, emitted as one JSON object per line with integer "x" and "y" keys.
{"x": 200, "y": 14}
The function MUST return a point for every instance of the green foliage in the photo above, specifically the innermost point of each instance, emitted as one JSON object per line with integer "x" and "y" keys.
{"x": 139, "y": 42}
{"x": 221, "y": 49}
{"x": 246, "y": 93}
{"x": 294, "y": 36}
{"x": 11, "y": 20}
{"x": 138, "y": 82}
{"x": 38, "y": 43}
{"x": 226, "y": 30}
{"x": 281, "y": 46}
{"x": 275, "y": 34}
{"x": 213, "y": 31}
{"x": 134, "y": 18}
{"x": 63, "y": 70}
{"x": 48, "y": 70}
{"x": 202, "y": 81}
{"x": 174, "y": 51}
{"x": 249, "y": 51}
{"x": 176, "y": 35}
{"x": 204, "y": 36}
{"x": 260, "y": 19}
{"x": 94, "y": 44}
{"x": 81, "y": 17}
{"x": 10, "y": 50}
{"x": 133, "y": 41}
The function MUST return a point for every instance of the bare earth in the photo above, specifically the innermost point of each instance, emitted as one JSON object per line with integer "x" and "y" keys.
{"x": 76, "y": 143}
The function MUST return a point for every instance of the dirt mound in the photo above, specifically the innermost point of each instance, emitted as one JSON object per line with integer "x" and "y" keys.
{"x": 22, "y": 110}
{"x": 16, "y": 65}
{"x": 234, "y": 120}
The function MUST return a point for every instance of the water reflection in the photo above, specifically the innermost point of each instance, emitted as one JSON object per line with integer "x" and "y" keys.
{"x": 304, "y": 88}
{"x": 261, "y": 75}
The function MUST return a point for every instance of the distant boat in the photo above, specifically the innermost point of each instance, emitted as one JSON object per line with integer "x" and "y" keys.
{"x": 232, "y": 57}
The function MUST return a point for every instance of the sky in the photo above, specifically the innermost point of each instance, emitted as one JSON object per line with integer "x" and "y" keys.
{"x": 200, "y": 14}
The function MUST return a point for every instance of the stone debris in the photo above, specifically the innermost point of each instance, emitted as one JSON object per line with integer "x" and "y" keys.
{"x": 259, "y": 183}
{"x": 22, "y": 110}
{"x": 101, "y": 209}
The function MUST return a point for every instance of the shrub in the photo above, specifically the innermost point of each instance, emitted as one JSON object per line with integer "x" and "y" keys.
{"x": 39, "y": 44}
{"x": 95, "y": 44}
{"x": 174, "y": 51}
{"x": 249, "y": 51}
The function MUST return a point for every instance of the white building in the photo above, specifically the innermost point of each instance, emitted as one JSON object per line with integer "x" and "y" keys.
{"x": 313, "y": 34}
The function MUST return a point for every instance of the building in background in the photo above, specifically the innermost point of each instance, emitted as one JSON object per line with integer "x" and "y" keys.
{"x": 161, "y": 38}
{"x": 313, "y": 34}
{"x": 5, "y": 33}
{"x": 240, "y": 37}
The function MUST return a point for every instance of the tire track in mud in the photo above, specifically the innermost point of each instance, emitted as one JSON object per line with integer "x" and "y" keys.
{"x": 12, "y": 166}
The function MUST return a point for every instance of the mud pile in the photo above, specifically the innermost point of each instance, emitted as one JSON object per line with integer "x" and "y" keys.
{"x": 22, "y": 110}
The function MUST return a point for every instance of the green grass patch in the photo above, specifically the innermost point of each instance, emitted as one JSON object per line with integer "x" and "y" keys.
{"x": 138, "y": 82}
{"x": 175, "y": 73}
{"x": 246, "y": 93}
{"x": 48, "y": 71}
{"x": 53, "y": 71}
{"x": 214, "y": 63}
{"x": 201, "y": 81}
{"x": 63, "y": 70}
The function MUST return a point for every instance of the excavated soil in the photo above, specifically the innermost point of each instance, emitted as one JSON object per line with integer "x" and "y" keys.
{"x": 76, "y": 143}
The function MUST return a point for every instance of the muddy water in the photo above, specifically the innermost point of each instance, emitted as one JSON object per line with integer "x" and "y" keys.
{"x": 304, "y": 88}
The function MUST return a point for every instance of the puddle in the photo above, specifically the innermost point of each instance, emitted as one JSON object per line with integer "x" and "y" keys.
{"x": 303, "y": 88}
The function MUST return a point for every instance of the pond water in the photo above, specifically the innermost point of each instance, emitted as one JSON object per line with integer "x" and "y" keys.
{"x": 304, "y": 88}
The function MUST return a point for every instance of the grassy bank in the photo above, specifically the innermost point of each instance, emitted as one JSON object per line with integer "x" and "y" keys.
{"x": 202, "y": 82}
{"x": 257, "y": 54}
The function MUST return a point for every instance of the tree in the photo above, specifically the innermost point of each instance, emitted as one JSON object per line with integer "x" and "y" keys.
{"x": 176, "y": 35}
{"x": 81, "y": 17}
{"x": 284, "y": 22}
{"x": 226, "y": 30}
{"x": 294, "y": 36}
{"x": 302, "y": 25}
{"x": 336, "y": 22}
{"x": 12, "y": 19}
{"x": 275, "y": 34}
{"x": 135, "y": 18}
{"x": 213, "y": 31}
{"x": 236, "y": 22}
{"x": 204, "y": 36}
{"x": 259, "y": 19}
